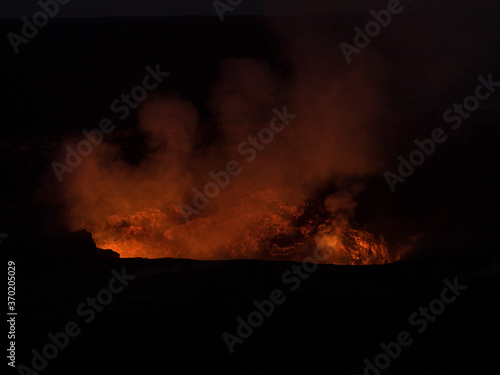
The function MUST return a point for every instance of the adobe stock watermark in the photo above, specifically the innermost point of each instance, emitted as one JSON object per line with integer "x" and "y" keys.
{"x": 121, "y": 107}
{"x": 372, "y": 29}
{"x": 87, "y": 311}
{"x": 292, "y": 278}
{"x": 455, "y": 116}
{"x": 221, "y": 179}
{"x": 419, "y": 320}
{"x": 30, "y": 28}
{"x": 222, "y": 7}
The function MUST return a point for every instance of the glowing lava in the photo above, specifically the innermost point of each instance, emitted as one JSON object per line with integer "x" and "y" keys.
{"x": 350, "y": 246}
{"x": 267, "y": 231}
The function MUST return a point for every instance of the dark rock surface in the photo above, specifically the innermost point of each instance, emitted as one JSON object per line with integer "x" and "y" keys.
{"x": 170, "y": 318}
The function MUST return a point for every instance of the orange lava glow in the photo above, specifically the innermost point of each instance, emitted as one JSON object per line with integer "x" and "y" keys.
{"x": 299, "y": 164}
{"x": 269, "y": 230}
{"x": 350, "y": 246}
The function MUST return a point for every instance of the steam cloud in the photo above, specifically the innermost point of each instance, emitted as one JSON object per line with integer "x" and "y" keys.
{"x": 340, "y": 135}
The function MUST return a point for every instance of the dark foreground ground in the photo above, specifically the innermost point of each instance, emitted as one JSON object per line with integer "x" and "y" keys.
{"x": 171, "y": 317}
